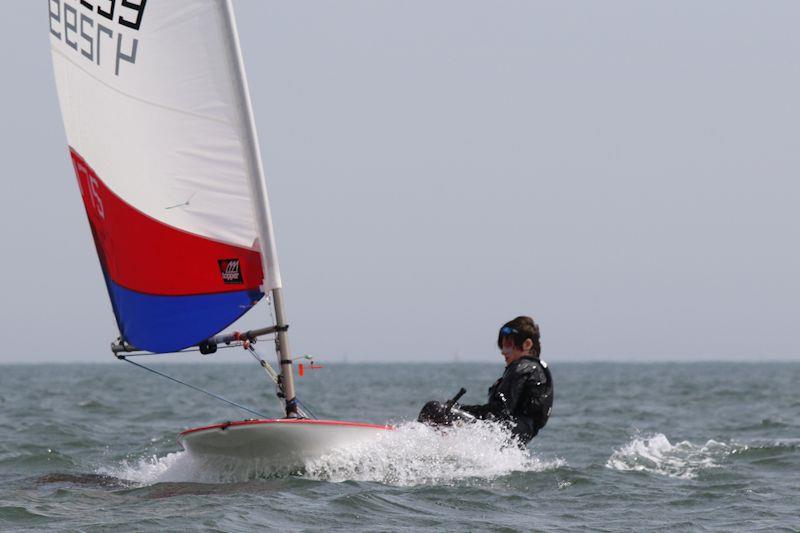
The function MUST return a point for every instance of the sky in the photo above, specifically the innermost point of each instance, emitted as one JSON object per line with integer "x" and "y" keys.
{"x": 625, "y": 172}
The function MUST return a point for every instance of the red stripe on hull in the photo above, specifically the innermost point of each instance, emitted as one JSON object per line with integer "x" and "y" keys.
{"x": 148, "y": 256}
{"x": 288, "y": 421}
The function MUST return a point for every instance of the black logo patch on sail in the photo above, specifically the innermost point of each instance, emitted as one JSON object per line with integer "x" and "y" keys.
{"x": 231, "y": 273}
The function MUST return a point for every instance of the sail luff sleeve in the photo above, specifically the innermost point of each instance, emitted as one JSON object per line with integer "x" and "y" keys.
{"x": 256, "y": 177}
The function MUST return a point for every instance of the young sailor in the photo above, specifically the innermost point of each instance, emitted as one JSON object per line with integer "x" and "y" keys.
{"x": 521, "y": 398}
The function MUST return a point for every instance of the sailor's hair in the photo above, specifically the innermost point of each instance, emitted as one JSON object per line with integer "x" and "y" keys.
{"x": 523, "y": 327}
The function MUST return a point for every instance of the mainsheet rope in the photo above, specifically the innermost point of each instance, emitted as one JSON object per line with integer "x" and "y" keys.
{"x": 198, "y": 389}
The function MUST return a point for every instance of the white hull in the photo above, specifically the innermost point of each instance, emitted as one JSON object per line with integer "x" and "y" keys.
{"x": 284, "y": 441}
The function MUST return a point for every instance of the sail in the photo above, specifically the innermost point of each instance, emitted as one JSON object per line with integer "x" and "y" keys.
{"x": 160, "y": 133}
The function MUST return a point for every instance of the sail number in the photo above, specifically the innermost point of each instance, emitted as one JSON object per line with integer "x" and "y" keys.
{"x": 91, "y": 190}
{"x": 81, "y": 25}
{"x": 110, "y": 6}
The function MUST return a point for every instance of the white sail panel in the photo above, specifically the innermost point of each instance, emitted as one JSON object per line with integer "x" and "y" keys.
{"x": 154, "y": 111}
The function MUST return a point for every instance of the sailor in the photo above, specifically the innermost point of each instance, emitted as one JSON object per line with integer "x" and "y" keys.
{"x": 522, "y": 398}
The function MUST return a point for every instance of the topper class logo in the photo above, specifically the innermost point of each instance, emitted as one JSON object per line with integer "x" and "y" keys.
{"x": 231, "y": 273}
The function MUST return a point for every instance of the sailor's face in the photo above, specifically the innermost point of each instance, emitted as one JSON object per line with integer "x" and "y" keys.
{"x": 510, "y": 352}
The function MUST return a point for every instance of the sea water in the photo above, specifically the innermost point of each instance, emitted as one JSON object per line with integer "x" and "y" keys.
{"x": 700, "y": 446}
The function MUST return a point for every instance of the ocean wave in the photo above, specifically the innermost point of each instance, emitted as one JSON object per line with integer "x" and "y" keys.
{"x": 772, "y": 451}
{"x": 764, "y": 423}
{"x": 89, "y": 480}
{"x": 38, "y": 458}
{"x": 94, "y": 406}
{"x": 16, "y": 515}
{"x": 655, "y": 454}
{"x": 413, "y": 454}
{"x": 685, "y": 460}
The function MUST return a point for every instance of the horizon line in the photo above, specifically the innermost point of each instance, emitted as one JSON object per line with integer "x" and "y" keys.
{"x": 568, "y": 360}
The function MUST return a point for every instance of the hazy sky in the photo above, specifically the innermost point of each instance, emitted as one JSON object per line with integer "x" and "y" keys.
{"x": 625, "y": 172}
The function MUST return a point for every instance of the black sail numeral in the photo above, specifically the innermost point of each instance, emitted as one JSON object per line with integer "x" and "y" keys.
{"x": 110, "y": 13}
{"x": 139, "y": 8}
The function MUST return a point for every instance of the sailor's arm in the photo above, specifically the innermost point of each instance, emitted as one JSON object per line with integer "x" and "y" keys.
{"x": 491, "y": 408}
{"x": 478, "y": 411}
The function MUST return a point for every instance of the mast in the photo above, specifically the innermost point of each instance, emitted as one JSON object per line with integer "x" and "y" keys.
{"x": 261, "y": 210}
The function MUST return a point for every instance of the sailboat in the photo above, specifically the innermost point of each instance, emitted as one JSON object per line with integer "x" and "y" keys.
{"x": 161, "y": 134}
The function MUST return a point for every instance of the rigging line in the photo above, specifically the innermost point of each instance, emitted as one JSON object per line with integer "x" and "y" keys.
{"x": 305, "y": 411}
{"x": 271, "y": 373}
{"x": 266, "y": 366}
{"x": 271, "y": 311}
{"x": 198, "y": 389}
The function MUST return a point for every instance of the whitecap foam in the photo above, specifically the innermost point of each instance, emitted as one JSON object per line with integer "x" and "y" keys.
{"x": 416, "y": 454}
{"x": 178, "y": 466}
{"x": 413, "y": 454}
{"x": 655, "y": 454}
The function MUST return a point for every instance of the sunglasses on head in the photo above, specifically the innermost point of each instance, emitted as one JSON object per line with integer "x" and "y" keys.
{"x": 507, "y": 330}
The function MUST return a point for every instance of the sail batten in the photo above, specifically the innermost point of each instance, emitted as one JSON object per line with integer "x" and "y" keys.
{"x": 162, "y": 143}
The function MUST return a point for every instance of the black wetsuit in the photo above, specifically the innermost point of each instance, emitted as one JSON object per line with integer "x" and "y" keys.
{"x": 523, "y": 397}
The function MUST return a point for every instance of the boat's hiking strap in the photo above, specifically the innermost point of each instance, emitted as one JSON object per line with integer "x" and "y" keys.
{"x": 198, "y": 389}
